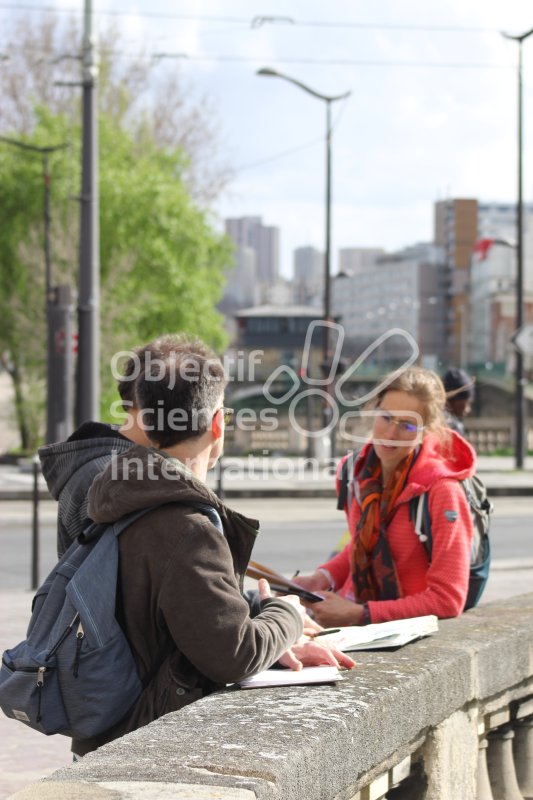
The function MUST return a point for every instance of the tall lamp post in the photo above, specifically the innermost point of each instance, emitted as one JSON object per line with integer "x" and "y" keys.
{"x": 58, "y": 319}
{"x": 328, "y": 100}
{"x": 520, "y": 409}
{"x": 88, "y": 377}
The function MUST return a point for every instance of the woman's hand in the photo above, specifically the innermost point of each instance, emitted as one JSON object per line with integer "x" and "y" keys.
{"x": 335, "y": 610}
{"x": 316, "y": 582}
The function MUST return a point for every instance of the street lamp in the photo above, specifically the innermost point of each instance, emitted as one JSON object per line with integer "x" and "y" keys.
{"x": 520, "y": 409}
{"x": 88, "y": 365}
{"x": 328, "y": 99}
{"x": 59, "y": 335}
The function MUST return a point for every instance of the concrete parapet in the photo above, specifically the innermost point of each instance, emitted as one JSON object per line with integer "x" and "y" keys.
{"x": 418, "y": 710}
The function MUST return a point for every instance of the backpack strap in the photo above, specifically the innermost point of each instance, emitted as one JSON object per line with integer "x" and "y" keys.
{"x": 118, "y": 527}
{"x": 94, "y": 530}
{"x": 419, "y": 513}
{"x": 212, "y": 514}
{"x": 347, "y": 481}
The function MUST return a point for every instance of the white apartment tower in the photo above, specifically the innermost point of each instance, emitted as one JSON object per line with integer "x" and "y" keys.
{"x": 263, "y": 239}
{"x": 308, "y": 276}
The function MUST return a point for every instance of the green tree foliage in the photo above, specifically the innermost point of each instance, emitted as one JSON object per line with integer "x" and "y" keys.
{"x": 22, "y": 297}
{"x": 161, "y": 259}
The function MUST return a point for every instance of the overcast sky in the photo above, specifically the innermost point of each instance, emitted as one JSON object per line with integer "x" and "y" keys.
{"x": 432, "y": 112}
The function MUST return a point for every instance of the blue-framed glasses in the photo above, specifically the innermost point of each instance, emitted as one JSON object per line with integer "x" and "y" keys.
{"x": 407, "y": 429}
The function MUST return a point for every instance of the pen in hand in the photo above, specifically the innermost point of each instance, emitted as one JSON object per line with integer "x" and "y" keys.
{"x": 325, "y": 631}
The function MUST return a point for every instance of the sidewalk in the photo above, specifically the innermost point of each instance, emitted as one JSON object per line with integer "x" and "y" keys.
{"x": 285, "y": 476}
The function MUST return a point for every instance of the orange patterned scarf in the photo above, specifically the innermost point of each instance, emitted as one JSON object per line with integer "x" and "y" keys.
{"x": 374, "y": 573}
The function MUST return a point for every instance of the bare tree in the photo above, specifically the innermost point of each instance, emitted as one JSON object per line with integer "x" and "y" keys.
{"x": 139, "y": 92}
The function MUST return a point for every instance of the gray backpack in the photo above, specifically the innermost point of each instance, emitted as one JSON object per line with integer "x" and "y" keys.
{"x": 74, "y": 673}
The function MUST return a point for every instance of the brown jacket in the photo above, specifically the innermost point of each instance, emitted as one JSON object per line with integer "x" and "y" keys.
{"x": 180, "y": 588}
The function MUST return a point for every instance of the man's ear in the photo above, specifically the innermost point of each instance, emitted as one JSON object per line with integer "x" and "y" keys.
{"x": 217, "y": 424}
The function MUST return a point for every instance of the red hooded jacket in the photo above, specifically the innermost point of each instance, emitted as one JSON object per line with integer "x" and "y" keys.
{"x": 438, "y": 588}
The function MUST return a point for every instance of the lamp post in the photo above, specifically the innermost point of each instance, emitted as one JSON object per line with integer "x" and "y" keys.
{"x": 88, "y": 376}
{"x": 59, "y": 334}
{"x": 328, "y": 100}
{"x": 520, "y": 409}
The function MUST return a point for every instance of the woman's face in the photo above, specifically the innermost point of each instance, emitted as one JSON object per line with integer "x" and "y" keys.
{"x": 398, "y": 428}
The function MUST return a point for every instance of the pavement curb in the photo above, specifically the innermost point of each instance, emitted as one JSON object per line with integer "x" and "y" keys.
{"x": 274, "y": 491}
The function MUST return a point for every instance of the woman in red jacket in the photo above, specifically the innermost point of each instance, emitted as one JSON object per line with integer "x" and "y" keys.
{"x": 383, "y": 572}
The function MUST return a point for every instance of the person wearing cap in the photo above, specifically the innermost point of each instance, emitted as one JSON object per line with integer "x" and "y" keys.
{"x": 459, "y": 387}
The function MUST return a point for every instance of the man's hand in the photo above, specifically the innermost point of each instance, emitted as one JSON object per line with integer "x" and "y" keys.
{"x": 307, "y": 652}
{"x": 310, "y": 626}
{"x": 314, "y": 654}
{"x": 265, "y": 593}
{"x": 335, "y": 610}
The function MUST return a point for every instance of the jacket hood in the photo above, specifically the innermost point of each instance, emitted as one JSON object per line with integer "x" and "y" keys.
{"x": 144, "y": 478}
{"x": 454, "y": 459}
{"x": 92, "y": 440}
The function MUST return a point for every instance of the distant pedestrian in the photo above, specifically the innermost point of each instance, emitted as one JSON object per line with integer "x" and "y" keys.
{"x": 459, "y": 387}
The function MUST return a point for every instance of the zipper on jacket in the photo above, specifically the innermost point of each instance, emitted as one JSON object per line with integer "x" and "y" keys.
{"x": 40, "y": 684}
{"x": 79, "y": 639}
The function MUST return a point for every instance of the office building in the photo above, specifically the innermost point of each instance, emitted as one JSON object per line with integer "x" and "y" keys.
{"x": 353, "y": 260}
{"x": 308, "y": 276}
{"x": 402, "y": 290}
{"x": 264, "y": 241}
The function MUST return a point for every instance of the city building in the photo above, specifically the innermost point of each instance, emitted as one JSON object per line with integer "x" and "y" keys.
{"x": 308, "y": 276}
{"x": 403, "y": 290}
{"x": 456, "y": 232}
{"x": 241, "y": 290}
{"x": 358, "y": 259}
{"x": 278, "y": 333}
{"x": 263, "y": 239}
{"x": 491, "y": 310}
{"x": 279, "y": 293}
{"x": 459, "y": 224}
{"x": 498, "y": 220}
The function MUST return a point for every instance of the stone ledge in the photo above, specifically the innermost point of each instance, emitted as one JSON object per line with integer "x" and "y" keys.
{"x": 128, "y": 790}
{"x": 310, "y": 743}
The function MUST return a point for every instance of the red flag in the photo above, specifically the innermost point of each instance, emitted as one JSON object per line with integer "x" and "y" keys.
{"x": 482, "y": 247}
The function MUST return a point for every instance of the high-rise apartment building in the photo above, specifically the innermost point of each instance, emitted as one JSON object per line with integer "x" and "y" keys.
{"x": 263, "y": 239}
{"x": 472, "y": 281}
{"x": 456, "y": 232}
{"x": 358, "y": 259}
{"x": 308, "y": 275}
{"x": 241, "y": 290}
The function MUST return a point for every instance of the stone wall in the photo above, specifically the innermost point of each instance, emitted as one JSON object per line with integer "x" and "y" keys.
{"x": 420, "y": 719}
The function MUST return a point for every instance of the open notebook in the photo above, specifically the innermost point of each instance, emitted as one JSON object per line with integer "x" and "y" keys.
{"x": 290, "y": 677}
{"x": 382, "y": 634}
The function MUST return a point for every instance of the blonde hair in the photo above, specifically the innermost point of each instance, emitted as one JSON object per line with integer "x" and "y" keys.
{"x": 428, "y": 389}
